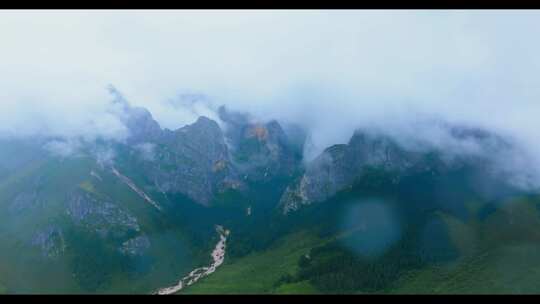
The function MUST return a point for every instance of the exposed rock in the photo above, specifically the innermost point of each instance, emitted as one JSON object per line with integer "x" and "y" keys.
{"x": 141, "y": 125}
{"x": 97, "y": 176}
{"x": 338, "y": 167}
{"x": 28, "y": 200}
{"x": 99, "y": 215}
{"x": 194, "y": 161}
{"x": 133, "y": 187}
{"x": 25, "y": 201}
{"x": 260, "y": 151}
{"x": 135, "y": 246}
{"x": 50, "y": 241}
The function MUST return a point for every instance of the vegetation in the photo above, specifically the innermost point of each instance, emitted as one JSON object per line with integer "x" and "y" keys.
{"x": 432, "y": 231}
{"x": 451, "y": 246}
{"x": 260, "y": 272}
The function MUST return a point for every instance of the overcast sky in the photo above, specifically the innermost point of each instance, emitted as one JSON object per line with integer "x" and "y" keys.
{"x": 331, "y": 71}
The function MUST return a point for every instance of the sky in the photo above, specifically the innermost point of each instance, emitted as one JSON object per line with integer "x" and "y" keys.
{"x": 329, "y": 71}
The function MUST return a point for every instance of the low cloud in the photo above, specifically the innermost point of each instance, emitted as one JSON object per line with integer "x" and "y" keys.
{"x": 329, "y": 71}
{"x": 63, "y": 148}
{"x": 146, "y": 151}
{"x": 104, "y": 156}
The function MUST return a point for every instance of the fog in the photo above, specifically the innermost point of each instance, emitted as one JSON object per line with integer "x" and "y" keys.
{"x": 329, "y": 71}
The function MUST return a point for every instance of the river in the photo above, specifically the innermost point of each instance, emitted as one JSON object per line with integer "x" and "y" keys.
{"x": 218, "y": 256}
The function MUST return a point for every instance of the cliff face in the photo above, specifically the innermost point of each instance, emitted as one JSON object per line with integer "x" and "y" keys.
{"x": 194, "y": 161}
{"x": 339, "y": 166}
{"x": 260, "y": 151}
{"x": 201, "y": 160}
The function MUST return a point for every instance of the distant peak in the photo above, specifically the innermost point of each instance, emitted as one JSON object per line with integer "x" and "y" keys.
{"x": 130, "y": 112}
{"x": 273, "y": 124}
{"x": 118, "y": 97}
{"x": 204, "y": 119}
{"x": 232, "y": 117}
{"x": 202, "y": 123}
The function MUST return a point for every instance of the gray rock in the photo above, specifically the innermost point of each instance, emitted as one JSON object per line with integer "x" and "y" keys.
{"x": 338, "y": 166}
{"x": 99, "y": 215}
{"x": 196, "y": 160}
{"x": 139, "y": 122}
{"x": 135, "y": 246}
{"x": 193, "y": 160}
{"x": 29, "y": 200}
{"x": 24, "y": 201}
{"x": 260, "y": 151}
{"x": 50, "y": 241}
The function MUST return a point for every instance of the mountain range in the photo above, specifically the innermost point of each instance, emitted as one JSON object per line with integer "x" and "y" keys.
{"x": 369, "y": 216}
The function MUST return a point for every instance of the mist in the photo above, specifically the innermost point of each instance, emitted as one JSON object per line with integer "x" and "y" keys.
{"x": 328, "y": 71}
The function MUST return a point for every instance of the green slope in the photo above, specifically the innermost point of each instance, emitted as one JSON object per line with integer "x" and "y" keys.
{"x": 501, "y": 254}
{"x": 509, "y": 270}
{"x": 260, "y": 272}
{"x": 302, "y": 287}
{"x": 89, "y": 263}
{"x": 498, "y": 251}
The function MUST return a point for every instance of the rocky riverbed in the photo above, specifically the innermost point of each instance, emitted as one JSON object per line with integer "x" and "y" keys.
{"x": 218, "y": 256}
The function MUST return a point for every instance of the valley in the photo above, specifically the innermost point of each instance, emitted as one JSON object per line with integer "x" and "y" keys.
{"x": 232, "y": 152}
{"x": 368, "y": 216}
{"x": 218, "y": 256}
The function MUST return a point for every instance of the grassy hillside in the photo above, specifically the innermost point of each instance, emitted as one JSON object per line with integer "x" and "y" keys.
{"x": 500, "y": 254}
{"x": 36, "y": 199}
{"x": 427, "y": 233}
{"x": 491, "y": 247}
{"x": 260, "y": 272}
{"x": 509, "y": 270}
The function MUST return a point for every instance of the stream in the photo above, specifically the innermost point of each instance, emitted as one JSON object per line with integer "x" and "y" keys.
{"x": 218, "y": 256}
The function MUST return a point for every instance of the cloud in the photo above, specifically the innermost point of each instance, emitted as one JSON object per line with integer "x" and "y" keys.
{"x": 146, "y": 151}
{"x": 104, "y": 156}
{"x": 330, "y": 71}
{"x": 63, "y": 148}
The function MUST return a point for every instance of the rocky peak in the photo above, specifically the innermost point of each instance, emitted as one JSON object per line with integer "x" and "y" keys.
{"x": 260, "y": 150}
{"x": 139, "y": 121}
{"x": 203, "y": 137}
{"x": 235, "y": 123}
{"x": 375, "y": 150}
{"x": 276, "y": 133}
{"x": 232, "y": 117}
{"x": 118, "y": 98}
{"x": 257, "y": 131}
{"x": 197, "y": 159}
{"x": 265, "y": 151}
{"x": 203, "y": 126}
{"x": 142, "y": 126}
{"x": 340, "y": 165}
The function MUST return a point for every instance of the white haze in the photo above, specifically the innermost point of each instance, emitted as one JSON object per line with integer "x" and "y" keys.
{"x": 330, "y": 71}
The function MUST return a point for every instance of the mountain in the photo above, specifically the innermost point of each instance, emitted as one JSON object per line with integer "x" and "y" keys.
{"x": 95, "y": 215}
{"x": 372, "y": 215}
{"x": 261, "y": 151}
{"x": 396, "y": 221}
{"x": 339, "y": 166}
